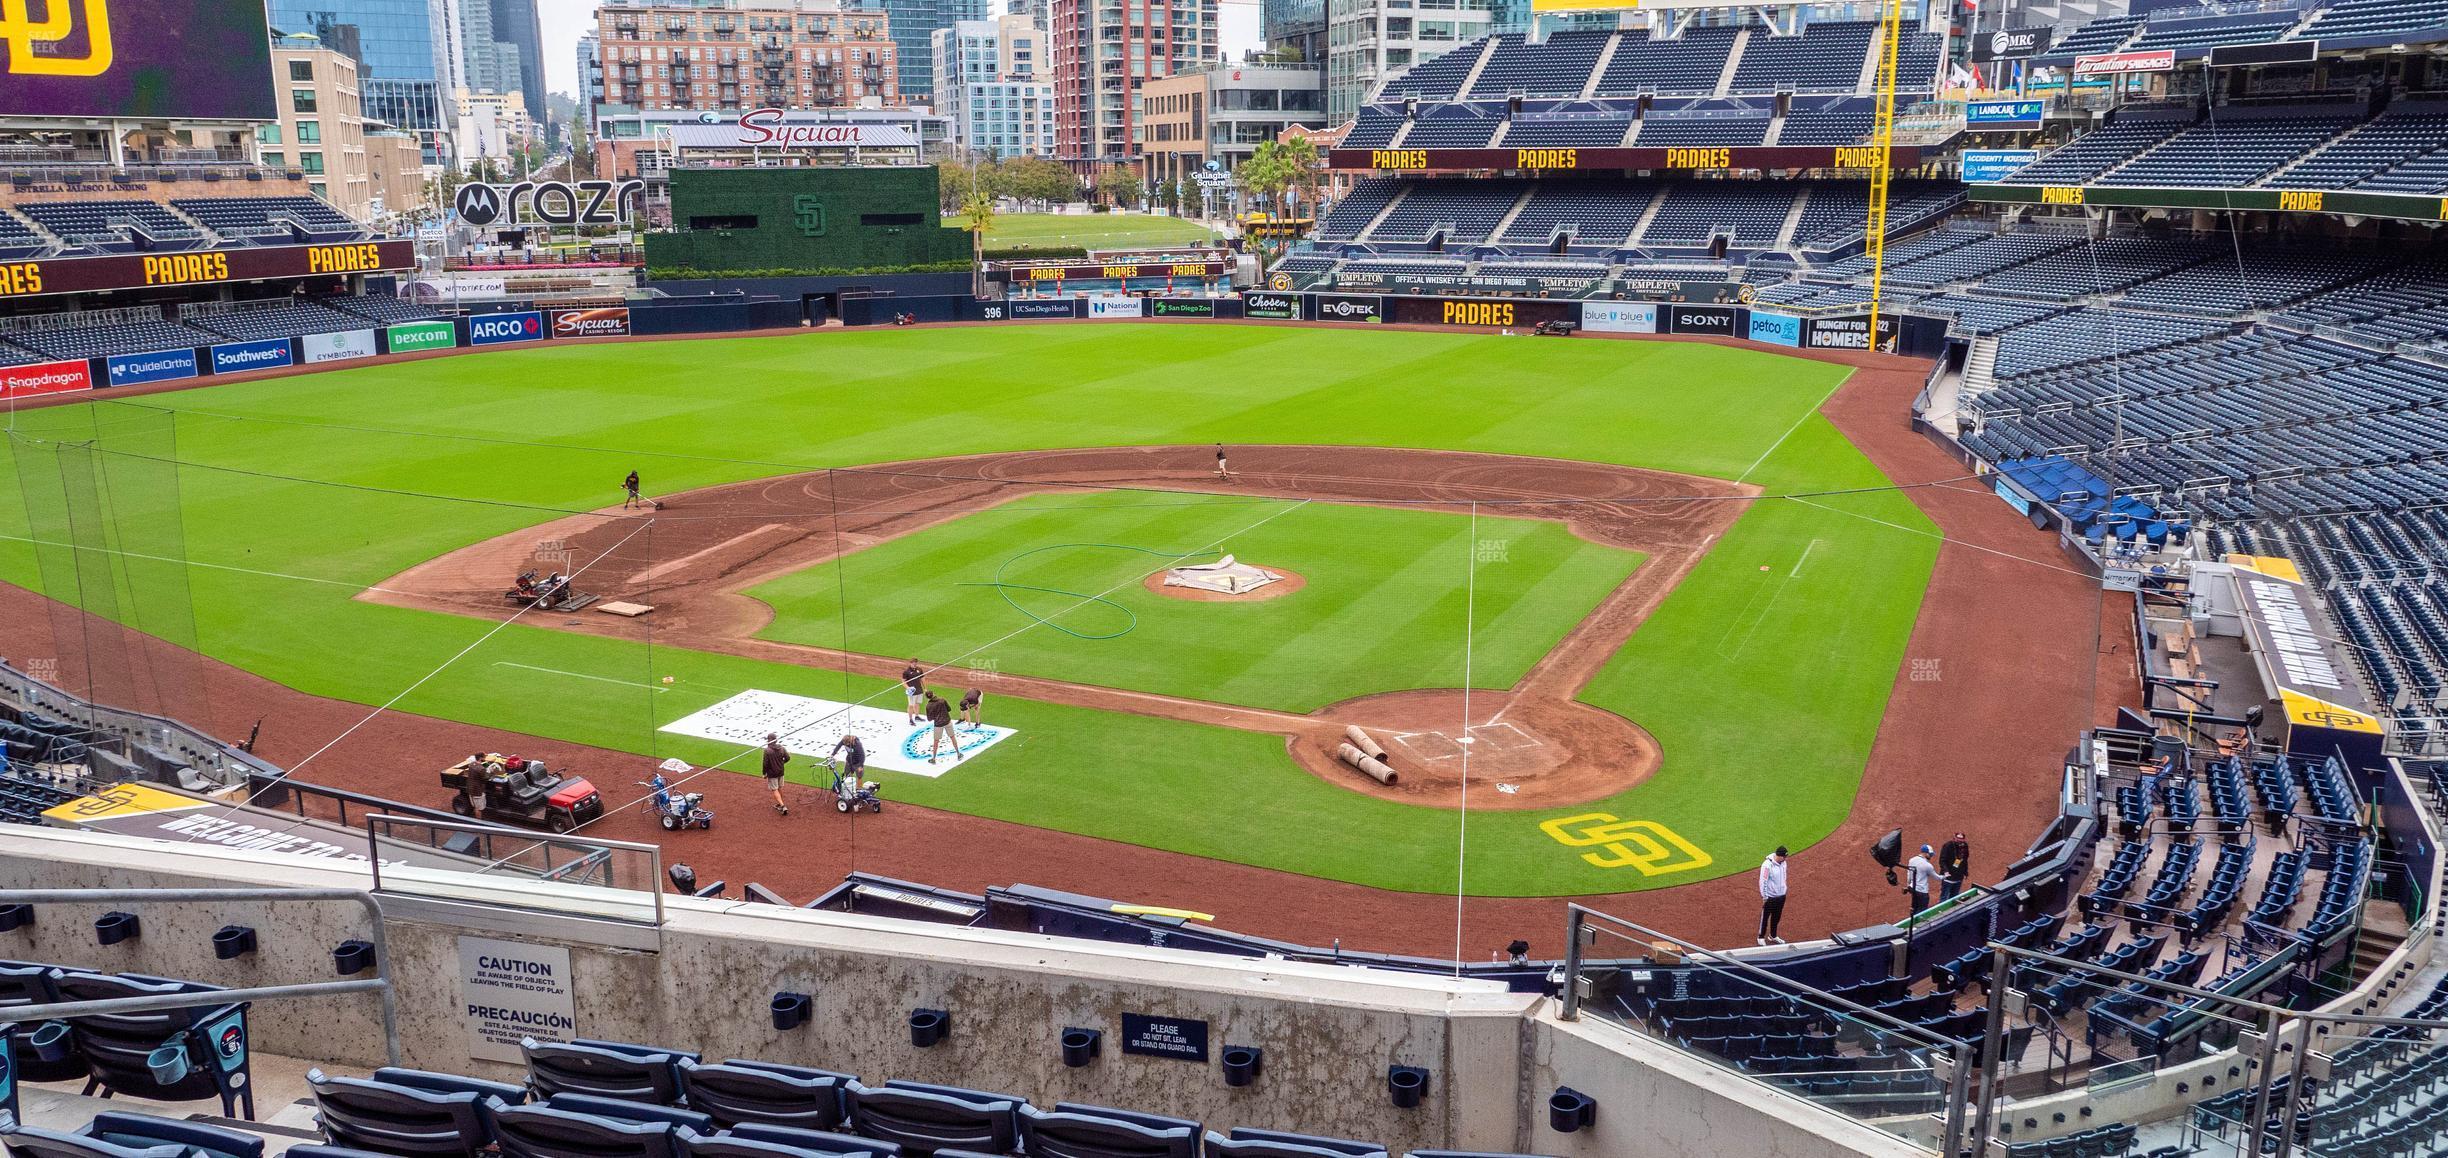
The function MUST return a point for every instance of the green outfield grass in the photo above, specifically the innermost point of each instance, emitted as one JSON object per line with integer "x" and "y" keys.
{"x": 1088, "y": 230}
{"x": 1764, "y": 686}
{"x": 1050, "y": 586}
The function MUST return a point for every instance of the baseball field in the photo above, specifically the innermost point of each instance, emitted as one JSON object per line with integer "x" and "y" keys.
{"x": 1692, "y": 594}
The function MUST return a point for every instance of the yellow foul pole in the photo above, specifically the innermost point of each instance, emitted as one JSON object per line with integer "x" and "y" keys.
{"x": 1890, "y": 43}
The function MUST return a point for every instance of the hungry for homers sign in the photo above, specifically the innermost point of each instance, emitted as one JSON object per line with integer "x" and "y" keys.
{"x": 810, "y": 727}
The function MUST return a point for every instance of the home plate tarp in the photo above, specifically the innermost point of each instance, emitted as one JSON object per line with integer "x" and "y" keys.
{"x": 810, "y": 727}
{"x": 1225, "y": 576}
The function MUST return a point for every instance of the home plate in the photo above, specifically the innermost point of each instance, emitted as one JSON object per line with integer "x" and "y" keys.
{"x": 624, "y": 610}
{"x": 810, "y": 727}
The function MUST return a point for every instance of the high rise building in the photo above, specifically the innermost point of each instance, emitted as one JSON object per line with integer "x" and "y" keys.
{"x": 1368, "y": 41}
{"x": 502, "y": 50}
{"x": 1294, "y": 29}
{"x": 321, "y": 125}
{"x": 990, "y": 78}
{"x": 914, "y": 24}
{"x": 407, "y": 69}
{"x": 1104, "y": 50}
{"x": 746, "y": 54}
{"x": 1222, "y": 114}
{"x": 590, "y": 73}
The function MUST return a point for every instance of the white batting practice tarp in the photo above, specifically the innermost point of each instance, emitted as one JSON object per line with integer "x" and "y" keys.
{"x": 1225, "y": 576}
{"x": 810, "y": 727}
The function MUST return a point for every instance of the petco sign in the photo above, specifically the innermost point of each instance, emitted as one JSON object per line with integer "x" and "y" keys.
{"x": 602, "y": 323}
{"x": 548, "y": 202}
{"x": 44, "y": 378}
{"x": 496, "y": 329}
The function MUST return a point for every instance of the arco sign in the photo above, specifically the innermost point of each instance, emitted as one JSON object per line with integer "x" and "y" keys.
{"x": 548, "y": 202}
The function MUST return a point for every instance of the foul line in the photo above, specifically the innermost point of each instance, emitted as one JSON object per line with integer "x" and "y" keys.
{"x": 1745, "y": 476}
{"x": 580, "y": 676}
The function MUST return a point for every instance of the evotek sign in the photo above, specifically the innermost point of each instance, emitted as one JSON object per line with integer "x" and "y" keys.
{"x": 496, "y": 329}
{"x": 601, "y": 323}
{"x": 548, "y": 202}
{"x": 1348, "y": 308}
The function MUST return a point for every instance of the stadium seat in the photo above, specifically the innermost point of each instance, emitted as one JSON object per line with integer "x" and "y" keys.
{"x": 634, "y": 1073}
{"x": 407, "y": 1112}
{"x": 1075, "y": 1131}
{"x": 112, "y": 1134}
{"x": 928, "y": 1117}
{"x": 753, "y": 1141}
{"x": 737, "y": 1091}
{"x": 542, "y": 1131}
{"x": 116, "y": 1046}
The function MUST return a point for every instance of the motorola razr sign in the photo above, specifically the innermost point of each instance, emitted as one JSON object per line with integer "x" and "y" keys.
{"x": 548, "y": 202}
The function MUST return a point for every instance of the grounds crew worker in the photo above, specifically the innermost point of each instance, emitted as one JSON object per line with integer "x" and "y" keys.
{"x": 776, "y": 758}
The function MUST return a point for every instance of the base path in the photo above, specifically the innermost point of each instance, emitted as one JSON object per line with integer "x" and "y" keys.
{"x": 2012, "y": 632}
{"x": 706, "y": 548}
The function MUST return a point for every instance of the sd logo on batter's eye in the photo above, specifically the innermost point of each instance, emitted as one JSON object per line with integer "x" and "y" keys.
{"x": 1646, "y": 845}
{"x": 34, "y": 47}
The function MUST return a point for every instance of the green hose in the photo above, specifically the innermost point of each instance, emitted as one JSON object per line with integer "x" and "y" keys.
{"x": 1005, "y": 589}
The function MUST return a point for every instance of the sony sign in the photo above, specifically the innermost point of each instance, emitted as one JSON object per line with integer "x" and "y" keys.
{"x": 548, "y": 202}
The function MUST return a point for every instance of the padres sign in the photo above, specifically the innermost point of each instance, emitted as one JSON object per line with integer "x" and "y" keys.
{"x": 1646, "y": 845}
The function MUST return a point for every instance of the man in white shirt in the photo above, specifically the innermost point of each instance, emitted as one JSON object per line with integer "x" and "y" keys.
{"x": 1772, "y": 896}
{"x": 1919, "y": 873}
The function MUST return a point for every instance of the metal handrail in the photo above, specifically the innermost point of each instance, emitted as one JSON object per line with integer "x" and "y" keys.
{"x": 381, "y": 984}
{"x": 653, "y": 853}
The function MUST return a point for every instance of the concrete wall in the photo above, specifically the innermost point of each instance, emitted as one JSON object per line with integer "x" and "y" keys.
{"x": 704, "y": 980}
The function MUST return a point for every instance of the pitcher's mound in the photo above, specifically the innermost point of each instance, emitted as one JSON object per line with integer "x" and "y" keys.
{"x": 1208, "y": 584}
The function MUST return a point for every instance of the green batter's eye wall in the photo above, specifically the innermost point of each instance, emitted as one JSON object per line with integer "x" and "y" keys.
{"x": 730, "y": 222}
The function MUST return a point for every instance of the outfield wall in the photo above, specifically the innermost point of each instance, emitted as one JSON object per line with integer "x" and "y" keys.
{"x": 703, "y": 981}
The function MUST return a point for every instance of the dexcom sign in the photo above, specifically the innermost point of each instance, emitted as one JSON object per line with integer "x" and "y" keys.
{"x": 496, "y": 329}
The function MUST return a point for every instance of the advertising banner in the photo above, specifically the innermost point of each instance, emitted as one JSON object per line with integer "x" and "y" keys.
{"x": 497, "y": 329}
{"x": 1181, "y": 307}
{"x": 157, "y": 366}
{"x": 1271, "y": 307}
{"x": 1111, "y": 271}
{"x": 45, "y": 378}
{"x": 2006, "y": 491}
{"x": 2005, "y": 114}
{"x": 137, "y": 59}
{"x": 603, "y": 323}
{"x": 1032, "y": 309}
{"x": 1775, "y": 329}
{"x": 512, "y": 989}
{"x": 1114, "y": 306}
{"x": 1982, "y": 166}
{"x": 1849, "y": 333}
{"x": 407, "y": 337}
{"x": 458, "y": 289}
{"x": 1486, "y": 313}
{"x": 239, "y": 357}
{"x": 1619, "y": 317}
{"x": 1690, "y": 319}
{"x": 67, "y": 275}
{"x": 2009, "y": 44}
{"x": 1349, "y": 308}
{"x": 2125, "y": 63}
{"x": 341, "y": 347}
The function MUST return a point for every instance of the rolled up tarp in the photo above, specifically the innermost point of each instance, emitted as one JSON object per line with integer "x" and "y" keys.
{"x": 1360, "y": 739}
{"x": 1368, "y": 765}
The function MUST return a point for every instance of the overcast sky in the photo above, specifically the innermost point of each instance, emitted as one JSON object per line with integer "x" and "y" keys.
{"x": 566, "y": 20}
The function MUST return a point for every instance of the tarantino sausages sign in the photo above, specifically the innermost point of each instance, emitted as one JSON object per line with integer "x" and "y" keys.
{"x": 67, "y": 275}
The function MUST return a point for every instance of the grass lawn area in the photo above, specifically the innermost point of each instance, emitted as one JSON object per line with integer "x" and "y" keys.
{"x": 1383, "y": 609}
{"x": 1088, "y": 230}
{"x": 1764, "y": 687}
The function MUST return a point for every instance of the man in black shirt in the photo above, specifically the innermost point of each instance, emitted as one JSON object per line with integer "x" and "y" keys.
{"x": 777, "y": 759}
{"x": 1954, "y": 864}
{"x": 629, "y": 492}
{"x": 939, "y": 717}
{"x": 970, "y": 706}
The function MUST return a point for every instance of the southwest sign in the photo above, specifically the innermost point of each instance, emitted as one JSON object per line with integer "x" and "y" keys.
{"x": 72, "y": 275}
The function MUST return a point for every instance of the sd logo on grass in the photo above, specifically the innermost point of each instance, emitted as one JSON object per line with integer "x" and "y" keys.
{"x": 1646, "y": 845}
